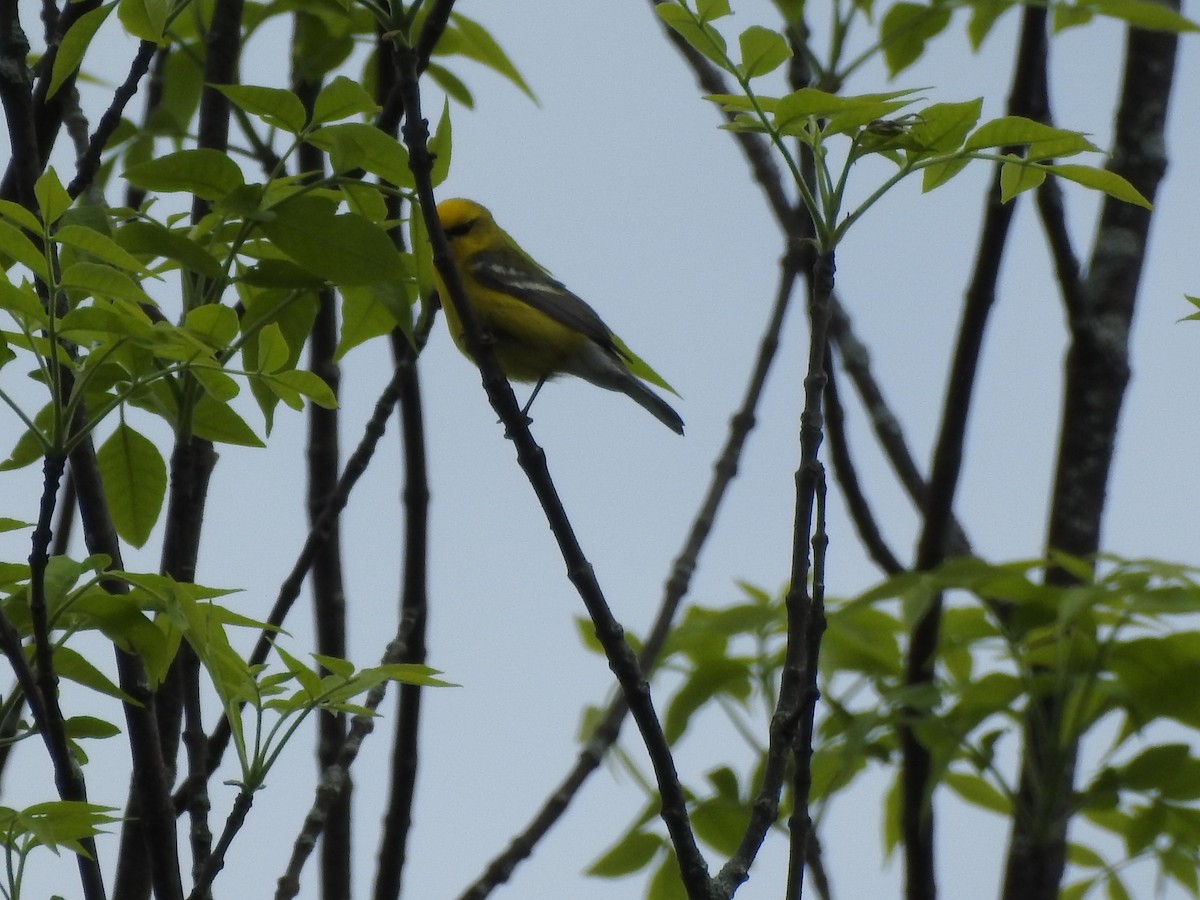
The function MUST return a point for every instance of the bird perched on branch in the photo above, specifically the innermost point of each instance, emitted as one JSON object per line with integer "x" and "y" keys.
{"x": 538, "y": 329}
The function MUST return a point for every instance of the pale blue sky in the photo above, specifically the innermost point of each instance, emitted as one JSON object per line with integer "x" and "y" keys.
{"x": 620, "y": 182}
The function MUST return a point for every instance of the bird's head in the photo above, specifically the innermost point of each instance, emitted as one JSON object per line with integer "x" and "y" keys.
{"x": 465, "y": 222}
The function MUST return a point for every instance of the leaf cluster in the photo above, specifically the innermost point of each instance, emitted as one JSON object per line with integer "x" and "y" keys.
{"x": 938, "y": 140}
{"x": 1110, "y": 651}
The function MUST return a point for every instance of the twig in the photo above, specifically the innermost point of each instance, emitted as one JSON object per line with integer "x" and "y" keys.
{"x": 88, "y": 163}
{"x": 605, "y": 734}
{"x": 149, "y": 775}
{"x": 1100, "y": 311}
{"x": 414, "y": 608}
{"x": 1027, "y": 97}
{"x": 620, "y": 655}
{"x": 335, "y": 777}
{"x": 856, "y": 501}
{"x": 318, "y": 533}
{"x": 795, "y": 704}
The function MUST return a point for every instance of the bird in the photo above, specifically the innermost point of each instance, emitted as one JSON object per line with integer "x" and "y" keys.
{"x": 537, "y": 328}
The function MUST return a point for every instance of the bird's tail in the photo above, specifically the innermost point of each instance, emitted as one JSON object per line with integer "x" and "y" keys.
{"x": 603, "y": 368}
{"x": 649, "y": 400}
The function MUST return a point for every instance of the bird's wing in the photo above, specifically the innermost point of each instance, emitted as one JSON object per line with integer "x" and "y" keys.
{"x": 505, "y": 271}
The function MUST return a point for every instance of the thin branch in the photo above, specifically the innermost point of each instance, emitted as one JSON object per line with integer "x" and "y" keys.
{"x": 1027, "y": 97}
{"x": 796, "y": 703}
{"x": 856, "y": 360}
{"x": 216, "y": 861}
{"x": 149, "y": 774}
{"x": 1099, "y": 313}
{"x": 856, "y": 500}
{"x": 289, "y": 590}
{"x": 88, "y": 164}
{"x": 725, "y": 469}
{"x": 620, "y": 655}
{"x": 328, "y": 585}
{"x": 333, "y": 780}
{"x": 414, "y": 608}
{"x": 40, "y": 685}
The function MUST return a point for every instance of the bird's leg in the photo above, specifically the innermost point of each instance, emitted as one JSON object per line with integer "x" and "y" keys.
{"x": 529, "y": 402}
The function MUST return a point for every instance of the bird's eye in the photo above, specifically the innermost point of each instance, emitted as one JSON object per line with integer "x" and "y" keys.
{"x": 456, "y": 231}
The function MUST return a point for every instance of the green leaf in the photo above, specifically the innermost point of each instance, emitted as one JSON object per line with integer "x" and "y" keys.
{"x": 182, "y": 85}
{"x": 104, "y": 281}
{"x": 275, "y": 106}
{"x": 335, "y": 664}
{"x": 720, "y": 823}
{"x": 273, "y": 350}
{"x": 19, "y": 215}
{"x": 451, "y": 85}
{"x": 702, "y": 37}
{"x": 215, "y": 324}
{"x": 216, "y": 421}
{"x": 1166, "y": 769}
{"x": 1008, "y": 131}
{"x": 120, "y": 619}
{"x": 90, "y": 727}
{"x": 58, "y": 822}
{"x": 145, "y": 19}
{"x": 1114, "y": 889}
{"x": 72, "y": 666}
{"x": 422, "y": 254}
{"x": 135, "y": 482}
{"x": 14, "y": 244}
{"x": 356, "y": 145}
{"x": 439, "y": 147}
{"x": 1084, "y": 856}
{"x": 476, "y": 42}
{"x": 320, "y": 39}
{"x": 341, "y": 99}
{"x": 343, "y": 249}
{"x": 215, "y": 381}
{"x": 156, "y": 240}
{"x": 630, "y": 854}
{"x": 1145, "y": 14}
{"x": 984, "y": 14}
{"x": 763, "y": 51}
{"x": 101, "y": 321}
{"x": 209, "y": 174}
{"x": 74, "y": 45}
{"x": 291, "y": 384}
{"x": 665, "y": 883}
{"x": 939, "y": 173}
{"x": 708, "y": 10}
{"x": 942, "y": 127}
{"x": 1101, "y": 180}
{"x": 977, "y": 791}
{"x": 1150, "y": 670}
{"x": 407, "y": 673}
{"x": 366, "y": 315}
{"x": 714, "y": 676}
{"x": 100, "y": 246}
{"x": 904, "y": 31}
{"x": 364, "y": 198}
{"x": 1068, "y": 16}
{"x": 794, "y": 111}
{"x": 33, "y": 443}
{"x": 1016, "y": 177}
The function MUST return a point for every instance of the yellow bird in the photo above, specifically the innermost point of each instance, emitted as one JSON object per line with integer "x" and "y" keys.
{"x": 538, "y": 328}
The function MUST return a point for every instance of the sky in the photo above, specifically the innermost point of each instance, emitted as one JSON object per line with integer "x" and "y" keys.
{"x": 619, "y": 180}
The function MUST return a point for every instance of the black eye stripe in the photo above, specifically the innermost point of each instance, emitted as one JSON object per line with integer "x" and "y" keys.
{"x": 459, "y": 230}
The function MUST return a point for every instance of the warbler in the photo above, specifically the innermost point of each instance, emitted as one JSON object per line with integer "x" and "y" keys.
{"x": 539, "y": 329}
